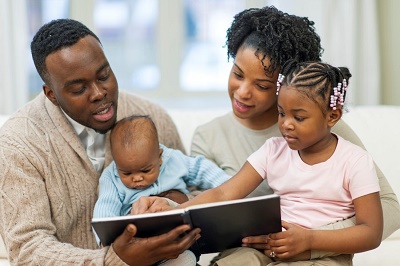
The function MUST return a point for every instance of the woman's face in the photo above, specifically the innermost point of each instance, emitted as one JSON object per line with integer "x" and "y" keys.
{"x": 252, "y": 91}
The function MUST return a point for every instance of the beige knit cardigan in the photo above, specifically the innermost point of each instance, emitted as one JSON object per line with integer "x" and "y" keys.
{"x": 48, "y": 186}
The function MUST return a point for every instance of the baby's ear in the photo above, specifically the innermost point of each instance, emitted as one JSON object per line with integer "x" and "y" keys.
{"x": 160, "y": 155}
{"x": 334, "y": 116}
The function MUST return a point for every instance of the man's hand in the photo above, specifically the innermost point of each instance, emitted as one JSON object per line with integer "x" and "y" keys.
{"x": 147, "y": 251}
{"x": 174, "y": 195}
{"x": 150, "y": 204}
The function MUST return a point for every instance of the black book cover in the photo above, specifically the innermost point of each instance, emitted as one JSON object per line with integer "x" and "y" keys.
{"x": 223, "y": 224}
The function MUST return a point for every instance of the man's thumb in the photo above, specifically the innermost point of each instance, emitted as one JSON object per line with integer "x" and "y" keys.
{"x": 129, "y": 232}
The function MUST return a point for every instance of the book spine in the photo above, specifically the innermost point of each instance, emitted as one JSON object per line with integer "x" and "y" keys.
{"x": 195, "y": 248}
{"x": 186, "y": 219}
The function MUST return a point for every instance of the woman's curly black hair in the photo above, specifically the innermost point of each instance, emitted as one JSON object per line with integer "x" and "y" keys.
{"x": 54, "y": 36}
{"x": 274, "y": 34}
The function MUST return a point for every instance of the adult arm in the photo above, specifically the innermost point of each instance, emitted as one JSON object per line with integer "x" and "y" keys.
{"x": 26, "y": 222}
{"x": 32, "y": 237}
{"x": 389, "y": 201}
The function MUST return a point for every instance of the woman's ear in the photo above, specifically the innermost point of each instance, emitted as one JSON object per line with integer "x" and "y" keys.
{"x": 334, "y": 116}
{"x": 50, "y": 94}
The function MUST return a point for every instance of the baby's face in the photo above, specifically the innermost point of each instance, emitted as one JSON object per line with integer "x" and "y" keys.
{"x": 138, "y": 167}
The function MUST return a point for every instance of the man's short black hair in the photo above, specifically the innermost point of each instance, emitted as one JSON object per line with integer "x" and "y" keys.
{"x": 54, "y": 36}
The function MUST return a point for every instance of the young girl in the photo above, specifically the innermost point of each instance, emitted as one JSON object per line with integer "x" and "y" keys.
{"x": 320, "y": 177}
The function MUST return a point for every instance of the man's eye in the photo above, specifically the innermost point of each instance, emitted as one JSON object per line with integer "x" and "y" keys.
{"x": 78, "y": 90}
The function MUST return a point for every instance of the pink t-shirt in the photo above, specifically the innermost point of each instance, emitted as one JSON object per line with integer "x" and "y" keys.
{"x": 320, "y": 194}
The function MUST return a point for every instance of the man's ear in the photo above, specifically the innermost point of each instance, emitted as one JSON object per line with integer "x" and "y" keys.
{"x": 334, "y": 116}
{"x": 50, "y": 94}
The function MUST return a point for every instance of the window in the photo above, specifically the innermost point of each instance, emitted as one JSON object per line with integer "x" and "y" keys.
{"x": 40, "y": 12}
{"x": 171, "y": 51}
{"x": 205, "y": 65}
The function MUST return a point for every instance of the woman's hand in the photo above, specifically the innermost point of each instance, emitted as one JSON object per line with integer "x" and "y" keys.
{"x": 150, "y": 204}
{"x": 289, "y": 245}
{"x": 147, "y": 251}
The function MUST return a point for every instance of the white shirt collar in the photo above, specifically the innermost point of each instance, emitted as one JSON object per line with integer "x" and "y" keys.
{"x": 77, "y": 127}
{"x": 92, "y": 138}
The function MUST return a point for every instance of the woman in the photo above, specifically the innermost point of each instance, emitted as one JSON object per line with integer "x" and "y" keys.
{"x": 260, "y": 40}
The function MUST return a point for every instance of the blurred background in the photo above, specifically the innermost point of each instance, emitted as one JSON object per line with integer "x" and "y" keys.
{"x": 172, "y": 51}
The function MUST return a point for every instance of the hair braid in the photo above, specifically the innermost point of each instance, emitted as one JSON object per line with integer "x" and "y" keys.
{"x": 316, "y": 80}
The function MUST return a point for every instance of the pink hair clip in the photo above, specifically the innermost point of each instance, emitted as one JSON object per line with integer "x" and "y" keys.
{"x": 279, "y": 83}
{"x": 337, "y": 96}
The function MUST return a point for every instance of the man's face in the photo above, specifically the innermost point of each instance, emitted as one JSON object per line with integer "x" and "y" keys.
{"x": 83, "y": 84}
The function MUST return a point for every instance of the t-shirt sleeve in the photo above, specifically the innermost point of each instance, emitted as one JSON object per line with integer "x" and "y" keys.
{"x": 258, "y": 159}
{"x": 362, "y": 177}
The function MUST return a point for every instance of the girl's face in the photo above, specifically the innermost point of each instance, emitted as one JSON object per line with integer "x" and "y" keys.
{"x": 252, "y": 92}
{"x": 138, "y": 167}
{"x": 302, "y": 122}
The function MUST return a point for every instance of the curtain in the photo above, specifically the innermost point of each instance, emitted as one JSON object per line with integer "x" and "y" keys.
{"x": 349, "y": 36}
{"x": 13, "y": 54}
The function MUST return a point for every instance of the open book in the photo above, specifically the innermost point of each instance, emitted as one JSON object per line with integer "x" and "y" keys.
{"x": 223, "y": 224}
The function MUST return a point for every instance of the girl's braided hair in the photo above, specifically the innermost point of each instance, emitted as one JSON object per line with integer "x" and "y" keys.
{"x": 317, "y": 81}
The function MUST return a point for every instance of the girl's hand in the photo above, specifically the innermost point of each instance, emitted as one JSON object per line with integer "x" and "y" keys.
{"x": 291, "y": 244}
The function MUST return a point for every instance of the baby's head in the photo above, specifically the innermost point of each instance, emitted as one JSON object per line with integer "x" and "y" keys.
{"x": 136, "y": 152}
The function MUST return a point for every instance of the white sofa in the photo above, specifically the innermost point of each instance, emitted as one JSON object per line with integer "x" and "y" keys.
{"x": 377, "y": 126}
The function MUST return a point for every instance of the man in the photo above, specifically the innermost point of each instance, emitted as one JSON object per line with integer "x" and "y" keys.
{"x": 53, "y": 150}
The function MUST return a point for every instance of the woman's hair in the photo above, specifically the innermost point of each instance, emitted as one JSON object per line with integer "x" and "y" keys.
{"x": 324, "y": 84}
{"x": 274, "y": 34}
{"x": 54, "y": 36}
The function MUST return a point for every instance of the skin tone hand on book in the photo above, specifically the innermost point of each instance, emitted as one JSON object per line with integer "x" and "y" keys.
{"x": 282, "y": 241}
{"x": 149, "y": 205}
{"x": 156, "y": 248}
